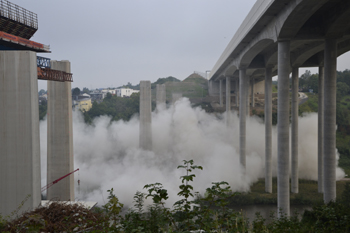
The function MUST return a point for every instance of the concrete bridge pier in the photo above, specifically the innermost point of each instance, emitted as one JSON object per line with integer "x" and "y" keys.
{"x": 330, "y": 88}
{"x": 60, "y": 159}
{"x": 283, "y": 128}
{"x": 228, "y": 99}
{"x": 242, "y": 116}
{"x": 220, "y": 94}
{"x": 295, "y": 111}
{"x": 20, "y": 178}
{"x": 237, "y": 92}
{"x": 320, "y": 127}
{"x": 247, "y": 96}
{"x": 145, "y": 115}
{"x": 161, "y": 96}
{"x": 268, "y": 130}
{"x": 252, "y": 92}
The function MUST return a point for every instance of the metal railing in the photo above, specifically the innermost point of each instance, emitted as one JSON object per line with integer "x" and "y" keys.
{"x": 18, "y": 14}
{"x": 43, "y": 62}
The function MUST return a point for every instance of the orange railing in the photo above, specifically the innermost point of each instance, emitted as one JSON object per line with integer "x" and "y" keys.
{"x": 54, "y": 75}
{"x": 20, "y": 40}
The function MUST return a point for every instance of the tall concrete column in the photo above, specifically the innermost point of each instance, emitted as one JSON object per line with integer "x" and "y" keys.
{"x": 268, "y": 130}
{"x": 242, "y": 116}
{"x": 330, "y": 91}
{"x": 295, "y": 111}
{"x": 145, "y": 115}
{"x": 320, "y": 127}
{"x": 175, "y": 97}
{"x": 60, "y": 158}
{"x": 283, "y": 128}
{"x": 228, "y": 99}
{"x": 161, "y": 96}
{"x": 237, "y": 91}
{"x": 252, "y": 92}
{"x": 247, "y": 96}
{"x": 19, "y": 133}
{"x": 220, "y": 95}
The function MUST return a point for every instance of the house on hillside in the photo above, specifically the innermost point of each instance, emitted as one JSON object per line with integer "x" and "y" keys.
{"x": 126, "y": 92}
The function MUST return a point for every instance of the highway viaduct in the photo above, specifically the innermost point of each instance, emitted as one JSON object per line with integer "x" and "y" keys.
{"x": 277, "y": 38}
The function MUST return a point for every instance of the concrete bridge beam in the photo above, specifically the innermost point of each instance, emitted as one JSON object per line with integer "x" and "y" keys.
{"x": 268, "y": 130}
{"x": 330, "y": 87}
{"x": 283, "y": 128}
{"x": 295, "y": 111}
{"x": 242, "y": 116}
{"x": 320, "y": 127}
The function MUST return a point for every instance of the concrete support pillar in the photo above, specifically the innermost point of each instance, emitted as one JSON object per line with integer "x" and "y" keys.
{"x": 330, "y": 90}
{"x": 252, "y": 91}
{"x": 19, "y": 133}
{"x": 60, "y": 158}
{"x": 283, "y": 128}
{"x": 242, "y": 116}
{"x": 247, "y": 96}
{"x": 228, "y": 99}
{"x": 145, "y": 115}
{"x": 268, "y": 130}
{"x": 237, "y": 91}
{"x": 320, "y": 127}
{"x": 295, "y": 111}
{"x": 221, "y": 92}
{"x": 161, "y": 96}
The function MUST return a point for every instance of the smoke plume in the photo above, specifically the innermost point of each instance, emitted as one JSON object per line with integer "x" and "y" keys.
{"x": 108, "y": 154}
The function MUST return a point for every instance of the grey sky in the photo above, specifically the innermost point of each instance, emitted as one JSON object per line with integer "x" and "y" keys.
{"x": 110, "y": 43}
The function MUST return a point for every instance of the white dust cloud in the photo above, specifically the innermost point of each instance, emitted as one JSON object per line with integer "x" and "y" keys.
{"x": 108, "y": 154}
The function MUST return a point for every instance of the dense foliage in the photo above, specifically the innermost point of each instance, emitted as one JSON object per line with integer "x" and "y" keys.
{"x": 118, "y": 108}
{"x": 191, "y": 213}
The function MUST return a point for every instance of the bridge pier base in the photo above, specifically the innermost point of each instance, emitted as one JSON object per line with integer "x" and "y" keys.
{"x": 20, "y": 178}
{"x": 330, "y": 91}
{"x": 320, "y": 128}
{"x": 283, "y": 129}
{"x": 268, "y": 130}
{"x": 242, "y": 116}
{"x": 294, "y": 149}
{"x": 60, "y": 158}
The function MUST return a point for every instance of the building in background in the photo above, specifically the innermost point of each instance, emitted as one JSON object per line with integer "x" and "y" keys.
{"x": 125, "y": 92}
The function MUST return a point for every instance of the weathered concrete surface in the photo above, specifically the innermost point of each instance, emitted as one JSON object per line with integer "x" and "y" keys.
{"x": 145, "y": 115}
{"x": 295, "y": 115}
{"x": 268, "y": 130}
{"x": 247, "y": 96}
{"x": 60, "y": 157}
{"x": 252, "y": 85}
{"x": 330, "y": 88}
{"x": 237, "y": 92}
{"x": 19, "y": 132}
{"x": 161, "y": 96}
{"x": 242, "y": 116}
{"x": 320, "y": 127}
{"x": 283, "y": 128}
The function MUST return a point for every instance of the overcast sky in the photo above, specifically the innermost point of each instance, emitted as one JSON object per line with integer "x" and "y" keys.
{"x": 112, "y": 42}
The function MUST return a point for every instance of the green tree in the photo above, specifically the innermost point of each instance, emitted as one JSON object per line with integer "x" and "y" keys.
{"x": 76, "y": 91}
